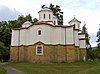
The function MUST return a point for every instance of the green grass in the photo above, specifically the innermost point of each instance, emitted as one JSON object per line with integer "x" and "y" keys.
{"x": 88, "y": 67}
{"x": 2, "y": 70}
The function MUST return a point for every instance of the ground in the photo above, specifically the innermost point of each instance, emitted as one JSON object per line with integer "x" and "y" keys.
{"x": 83, "y": 67}
{"x": 88, "y": 67}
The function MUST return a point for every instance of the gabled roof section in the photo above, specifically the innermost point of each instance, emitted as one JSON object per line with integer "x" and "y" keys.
{"x": 74, "y": 20}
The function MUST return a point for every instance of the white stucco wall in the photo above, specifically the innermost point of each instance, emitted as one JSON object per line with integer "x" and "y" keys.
{"x": 77, "y": 24}
{"x": 24, "y": 37}
{"x": 55, "y": 21}
{"x": 76, "y": 38}
{"x": 49, "y": 35}
{"x": 14, "y": 38}
{"x": 45, "y": 34}
{"x": 69, "y": 35}
{"x": 81, "y": 36}
{"x": 82, "y": 44}
{"x": 59, "y": 35}
{"x": 41, "y": 16}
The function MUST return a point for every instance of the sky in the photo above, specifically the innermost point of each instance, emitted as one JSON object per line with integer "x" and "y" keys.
{"x": 87, "y": 11}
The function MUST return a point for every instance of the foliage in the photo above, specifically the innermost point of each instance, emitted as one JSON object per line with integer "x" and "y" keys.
{"x": 57, "y": 12}
{"x": 4, "y": 52}
{"x": 84, "y": 30}
{"x": 5, "y": 31}
{"x": 96, "y": 52}
{"x": 2, "y": 70}
{"x": 88, "y": 46}
{"x": 98, "y": 40}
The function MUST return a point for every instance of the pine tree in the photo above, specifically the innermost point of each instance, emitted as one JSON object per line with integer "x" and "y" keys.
{"x": 88, "y": 46}
{"x": 57, "y": 12}
{"x": 98, "y": 40}
{"x": 84, "y": 30}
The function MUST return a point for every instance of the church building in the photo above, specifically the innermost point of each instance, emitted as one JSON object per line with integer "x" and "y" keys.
{"x": 47, "y": 41}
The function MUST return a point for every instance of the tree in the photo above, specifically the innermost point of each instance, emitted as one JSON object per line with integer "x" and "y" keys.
{"x": 98, "y": 40}
{"x": 35, "y": 20}
{"x": 88, "y": 46}
{"x": 3, "y": 52}
{"x": 43, "y": 6}
{"x": 57, "y": 12}
{"x": 84, "y": 30}
{"x": 5, "y": 32}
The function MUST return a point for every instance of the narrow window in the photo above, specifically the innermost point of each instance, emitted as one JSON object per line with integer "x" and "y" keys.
{"x": 54, "y": 22}
{"x": 39, "y": 50}
{"x": 78, "y": 26}
{"x": 39, "y": 32}
{"x": 49, "y": 16}
{"x": 44, "y": 16}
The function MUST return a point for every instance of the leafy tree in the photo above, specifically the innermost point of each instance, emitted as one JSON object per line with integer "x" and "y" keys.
{"x": 35, "y": 20}
{"x": 97, "y": 53}
{"x": 57, "y": 12}
{"x": 5, "y": 32}
{"x": 98, "y": 40}
{"x": 3, "y": 52}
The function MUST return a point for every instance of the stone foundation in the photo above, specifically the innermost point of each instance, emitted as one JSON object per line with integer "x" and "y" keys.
{"x": 51, "y": 53}
{"x": 82, "y": 53}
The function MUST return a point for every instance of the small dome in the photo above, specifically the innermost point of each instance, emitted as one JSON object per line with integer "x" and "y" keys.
{"x": 74, "y": 20}
{"x": 26, "y": 24}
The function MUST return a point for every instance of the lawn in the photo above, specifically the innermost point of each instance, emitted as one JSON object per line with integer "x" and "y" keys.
{"x": 88, "y": 67}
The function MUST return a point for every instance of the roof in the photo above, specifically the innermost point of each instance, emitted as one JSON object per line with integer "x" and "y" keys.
{"x": 74, "y": 20}
{"x": 45, "y": 9}
{"x": 43, "y": 23}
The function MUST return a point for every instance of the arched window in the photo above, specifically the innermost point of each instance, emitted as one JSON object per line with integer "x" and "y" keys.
{"x": 39, "y": 32}
{"x": 39, "y": 50}
{"x": 49, "y": 16}
{"x": 44, "y": 16}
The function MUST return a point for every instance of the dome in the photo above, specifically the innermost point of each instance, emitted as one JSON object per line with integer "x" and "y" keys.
{"x": 26, "y": 24}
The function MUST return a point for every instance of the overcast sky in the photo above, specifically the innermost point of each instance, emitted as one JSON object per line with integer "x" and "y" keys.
{"x": 84, "y": 10}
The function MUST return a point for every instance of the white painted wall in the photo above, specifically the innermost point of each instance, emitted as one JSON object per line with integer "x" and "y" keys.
{"x": 76, "y": 38}
{"x": 81, "y": 36}
{"x": 14, "y": 38}
{"x": 45, "y": 34}
{"x": 41, "y": 16}
{"x": 77, "y": 25}
{"x": 82, "y": 43}
{"x": 55, "y": 21}
{"x": 49, "y": 35}
{"x": 69, "y": 35}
